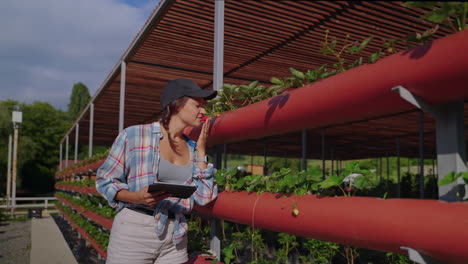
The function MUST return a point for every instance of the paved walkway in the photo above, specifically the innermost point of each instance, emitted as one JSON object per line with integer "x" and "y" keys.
{"x": 47, "y": 243}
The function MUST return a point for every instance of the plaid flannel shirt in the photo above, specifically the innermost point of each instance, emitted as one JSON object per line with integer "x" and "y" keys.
{"x": 133, "y": 163}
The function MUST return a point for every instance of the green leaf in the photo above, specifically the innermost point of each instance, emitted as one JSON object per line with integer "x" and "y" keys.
{"x": 464, "y": 175}
{"x": 437, "y": 16}
{"x": 253, "y": 84}
{"x": 360, "y": 182}
{"x": 244, "y": 89}
{"x": 385, "y": 195}
{"x": 353, "y": 49}
{"x": 352, "y": 166}
{"x": 357, "y": 63}
{"x": 448, "y": 178}
{"x": 374, "y": 57}
{"x": 276, "y": 80}
{"x": 328, "y": 74}
{"x": 297, "y": 73}
{"x": 311, "y": 75}
{"x": 330, "y": 181}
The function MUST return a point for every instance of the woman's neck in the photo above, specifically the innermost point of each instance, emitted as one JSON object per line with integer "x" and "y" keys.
{"x": 175, "y": 131}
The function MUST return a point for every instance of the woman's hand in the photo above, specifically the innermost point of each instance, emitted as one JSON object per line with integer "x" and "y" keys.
{"x": 150, "y": 198}
{"x": 201, "y": 143}
{"x": 142, "y": 196}
{"x": 203, "y": 137}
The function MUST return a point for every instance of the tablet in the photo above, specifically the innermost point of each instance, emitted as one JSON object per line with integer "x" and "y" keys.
{"x": 177, "y": 190}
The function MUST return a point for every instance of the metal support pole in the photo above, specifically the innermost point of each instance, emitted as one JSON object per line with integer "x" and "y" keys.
{"x": 376, "y": 168}
{"x": 217, "y": 162}
{"x": 91, "y": 128}
{"x": 77, "y": 133}
{"x": 304, "y": 149}
{"x": 323, "y": 153}
{"x": 123, "y": 71}
{"x": 225, "y": 155}
{"x": 15, "y": 155}
{"x": 421, "y": 155}
{"x": 409, "y": 164}
{"x": 332, "y": 161}
{"x": 434, "y": 182}
{"x": 451, "y": 149}
{"x": 388, "y": 170}
{"x": 450, "y": 136}
{"x": 66, "y": 150}
{"x": 215, "y": 242}
{"x": 60, "y": 157}
{"x": 398, "y": 167}
{"x": 218, "y": 66}
{"x": 8, "y": 187}
{"x": 419, "y": 257}
{"x": 265, "y": 152}
{"x": 379, "y": 170}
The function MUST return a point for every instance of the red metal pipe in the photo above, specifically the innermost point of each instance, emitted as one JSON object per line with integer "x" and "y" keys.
{"x": 437, "y": 229}
{"x": 437, "y": 72}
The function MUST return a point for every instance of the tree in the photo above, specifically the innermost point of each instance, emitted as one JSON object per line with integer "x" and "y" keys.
{"x": 26, "y": 146}
{"x": 40, "y": 133}
{"x": 45, "y": 126}
{"x": 78, "y": 100}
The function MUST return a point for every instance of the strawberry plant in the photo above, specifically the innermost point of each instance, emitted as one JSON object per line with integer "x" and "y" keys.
{"x": 82, "y": 183}
{"x": 100, "y": 236}
{"x": 450, "y": 14}
{"x": 234, "y": 96}
{"x": 89, "y": 203}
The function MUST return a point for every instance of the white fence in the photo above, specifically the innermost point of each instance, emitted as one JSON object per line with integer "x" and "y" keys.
{"x": 13, "y": 204}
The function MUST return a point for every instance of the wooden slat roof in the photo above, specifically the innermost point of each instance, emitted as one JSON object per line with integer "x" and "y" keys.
{"x": 262, "y": 39}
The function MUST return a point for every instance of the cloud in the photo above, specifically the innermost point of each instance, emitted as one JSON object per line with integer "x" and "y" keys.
{"x": 46, "y": 46}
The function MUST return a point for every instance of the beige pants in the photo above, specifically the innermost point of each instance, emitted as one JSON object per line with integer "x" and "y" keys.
{"x": 133, "y": 240}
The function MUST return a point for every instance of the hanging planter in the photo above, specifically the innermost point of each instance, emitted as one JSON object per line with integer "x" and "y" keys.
{"x": 436, "y": 72}
{"x": 385, "y": 225}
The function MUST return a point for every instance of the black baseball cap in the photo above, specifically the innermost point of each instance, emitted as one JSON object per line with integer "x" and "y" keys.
{"x": 178, "y": 88}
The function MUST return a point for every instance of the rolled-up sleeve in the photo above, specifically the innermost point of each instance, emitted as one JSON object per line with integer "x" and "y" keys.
{"x": 111, "y": 177}
{"x": 207, "y": 190}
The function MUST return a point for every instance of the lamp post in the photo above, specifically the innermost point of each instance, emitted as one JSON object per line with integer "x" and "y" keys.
{"x": 17, "y": 118}
{"x": 8, "y": 190}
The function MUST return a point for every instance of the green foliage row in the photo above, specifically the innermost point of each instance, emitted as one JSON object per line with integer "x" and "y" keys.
{"x": 82, "y": 183}
{"x": 90, "y": 203}
{"x": 101, "y": 237}
{"x": 96, "y": 157}
{"x": 247, "y": 244}
{"x": 440, "y": 13}
{"x": 300, "y": 183}
{"x": 450, "y": 14}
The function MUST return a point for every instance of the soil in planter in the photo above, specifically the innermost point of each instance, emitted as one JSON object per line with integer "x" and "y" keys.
{"x": 83, "y": 254}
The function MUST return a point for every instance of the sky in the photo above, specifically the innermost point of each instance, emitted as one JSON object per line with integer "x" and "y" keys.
{"x": 46, "y": 46}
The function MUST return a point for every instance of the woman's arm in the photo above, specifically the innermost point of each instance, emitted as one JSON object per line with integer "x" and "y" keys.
{"x": 141, "y": 196}
{"x": 111, "y": 177}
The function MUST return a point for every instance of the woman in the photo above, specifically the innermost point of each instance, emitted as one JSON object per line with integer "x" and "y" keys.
{"x": 151, "y": 227}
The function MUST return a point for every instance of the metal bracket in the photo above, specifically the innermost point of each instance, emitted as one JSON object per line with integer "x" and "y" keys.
{"x": 416, "y": 101}
{"x": 215, "y": 242}
{"x": 419, "y": 257}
